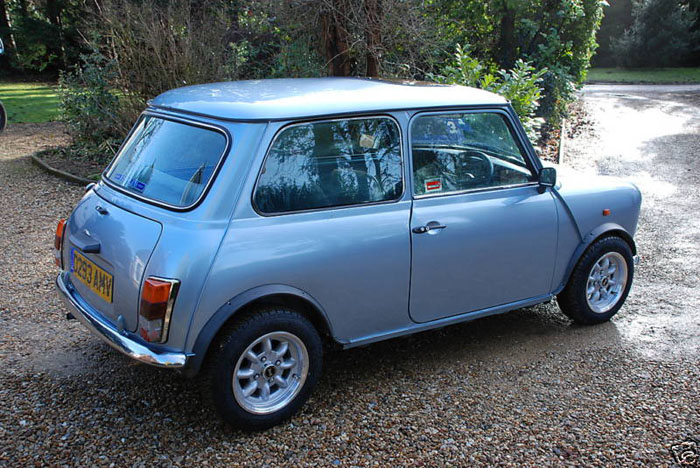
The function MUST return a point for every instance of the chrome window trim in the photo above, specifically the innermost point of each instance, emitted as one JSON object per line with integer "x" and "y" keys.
{"x": 476, "y": 190}
{"x": 333, "y": 207}
{"x": 185, "y": 121}
{"x": 514, "y": 133}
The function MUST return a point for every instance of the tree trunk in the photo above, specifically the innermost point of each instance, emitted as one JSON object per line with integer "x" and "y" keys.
{"x": 57, "y": 47}
{"x": 335, "y": 40}
{"x": 506, "y": 40}
{"x": 4, "y": 24}
{"x": 373, "y": 12}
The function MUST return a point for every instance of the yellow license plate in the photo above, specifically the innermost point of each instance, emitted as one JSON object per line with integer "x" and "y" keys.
{"x": 99, "y": 281}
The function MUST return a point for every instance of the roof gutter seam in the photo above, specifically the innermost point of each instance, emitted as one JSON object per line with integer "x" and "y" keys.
{"x": 325, "y": 116}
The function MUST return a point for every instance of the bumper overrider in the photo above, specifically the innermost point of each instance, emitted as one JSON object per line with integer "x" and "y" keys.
{"x": 128, "y": 343}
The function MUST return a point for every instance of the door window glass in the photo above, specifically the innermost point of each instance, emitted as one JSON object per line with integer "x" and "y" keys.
{"x": 332, "y": 163}
{"x": 457, "y": 152}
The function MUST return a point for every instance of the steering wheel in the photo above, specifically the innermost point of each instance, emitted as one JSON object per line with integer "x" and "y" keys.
{"x": 475, "y": 168}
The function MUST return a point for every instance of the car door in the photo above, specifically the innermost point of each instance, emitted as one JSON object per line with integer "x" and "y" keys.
{"x": 482, "y": 233}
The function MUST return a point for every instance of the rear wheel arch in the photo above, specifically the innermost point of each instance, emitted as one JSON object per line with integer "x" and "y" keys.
{"x": 303, "y": 305}
{"x": 240, "y": 306}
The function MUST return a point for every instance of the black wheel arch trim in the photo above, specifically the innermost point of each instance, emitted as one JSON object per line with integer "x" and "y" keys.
{"x": 601, "y": 231}
{"x": 236, "y": 304}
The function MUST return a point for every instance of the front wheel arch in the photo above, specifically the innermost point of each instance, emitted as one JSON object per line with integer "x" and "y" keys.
{"x": 593, "y": 237}
{"x": 612, "y": 282}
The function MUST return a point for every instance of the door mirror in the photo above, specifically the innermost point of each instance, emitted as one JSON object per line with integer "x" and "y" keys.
{"x": 547, "y": 178}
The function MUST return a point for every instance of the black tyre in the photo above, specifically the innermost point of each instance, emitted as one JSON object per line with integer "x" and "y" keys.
{"x": 600, "y": 282}
{"x": 3, "y": 118}
{"x": 264, "y": 368}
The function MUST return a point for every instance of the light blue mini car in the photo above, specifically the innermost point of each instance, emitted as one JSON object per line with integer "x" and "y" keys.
{"x": 242, "y": 225}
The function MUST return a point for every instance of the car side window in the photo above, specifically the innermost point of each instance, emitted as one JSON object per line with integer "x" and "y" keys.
{"x": 458, "y": 152}
{"x": 331, "y": 163}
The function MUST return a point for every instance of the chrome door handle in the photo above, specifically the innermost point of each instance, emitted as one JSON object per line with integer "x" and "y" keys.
{"x": 431, "y": 226}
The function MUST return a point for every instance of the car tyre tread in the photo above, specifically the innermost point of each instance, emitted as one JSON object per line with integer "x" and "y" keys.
{"x": 572, "y": 299}
{"x": 232, "y": 340}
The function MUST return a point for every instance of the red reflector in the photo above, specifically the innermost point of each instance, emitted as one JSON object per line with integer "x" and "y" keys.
{"x": 58, "y": 239}
{"x": 151, "y": 311}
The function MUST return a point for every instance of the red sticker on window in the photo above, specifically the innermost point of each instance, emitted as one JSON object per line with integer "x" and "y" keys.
{"x": 433, "y": 185}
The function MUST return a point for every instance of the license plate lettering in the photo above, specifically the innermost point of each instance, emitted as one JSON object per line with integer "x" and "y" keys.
{"x": 98, "y": 280}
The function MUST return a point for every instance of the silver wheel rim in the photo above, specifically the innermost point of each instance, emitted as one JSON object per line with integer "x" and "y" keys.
{"x": 270, "y": 372}
{"x": 606, "y": 282}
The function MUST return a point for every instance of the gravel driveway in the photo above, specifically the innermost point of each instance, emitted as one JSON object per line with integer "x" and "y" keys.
{"x": 523, "y": 389}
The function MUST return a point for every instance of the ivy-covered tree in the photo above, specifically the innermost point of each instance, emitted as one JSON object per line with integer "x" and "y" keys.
{"x": 662, "y": 35}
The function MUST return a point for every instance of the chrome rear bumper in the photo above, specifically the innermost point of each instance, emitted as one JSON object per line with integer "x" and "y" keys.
{"x": 119, "y": 340}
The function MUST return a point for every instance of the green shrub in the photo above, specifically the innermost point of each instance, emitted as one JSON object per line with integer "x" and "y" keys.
{"x": 556, "y": 35}
{"x": 141, "y": 48}
{"x": 520, "y": 85}
{"x": 91, "y": 107}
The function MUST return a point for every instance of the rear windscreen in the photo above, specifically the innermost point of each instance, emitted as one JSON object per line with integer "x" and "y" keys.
{"x": 167, "y": 161}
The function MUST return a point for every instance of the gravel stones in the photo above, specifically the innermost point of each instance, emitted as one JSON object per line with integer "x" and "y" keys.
{"x": 523, "y": 389}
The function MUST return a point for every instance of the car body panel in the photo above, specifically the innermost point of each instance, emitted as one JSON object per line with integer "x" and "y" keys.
{"x": 190, "y": 242}
{"x": 581, "y": 200}
{"x": 290, "y": 99}
{"x": 126, "y": 241}
{"x": 354, "y": 262}
{"x": 587, "y": 196}
{"x": 300, "y": 251}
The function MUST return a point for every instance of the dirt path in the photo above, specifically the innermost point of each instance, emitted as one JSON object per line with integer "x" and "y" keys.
{"x": 651, "y": 136}
{"x": 524, "y": 389}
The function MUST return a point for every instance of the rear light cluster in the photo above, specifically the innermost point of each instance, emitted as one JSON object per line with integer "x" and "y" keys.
{"x": 58, "y": 242}
{"x": 157, "y": 300}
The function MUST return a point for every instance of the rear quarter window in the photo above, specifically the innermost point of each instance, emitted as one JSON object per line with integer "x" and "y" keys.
{"x": 331, "y": 163}
{"x": 168, "y": 161}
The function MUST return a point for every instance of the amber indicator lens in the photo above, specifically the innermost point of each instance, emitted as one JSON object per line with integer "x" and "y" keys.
{"x": 606, "y": 212}
{"x": 58, "y": 239}
{"x": 155, "y": 291}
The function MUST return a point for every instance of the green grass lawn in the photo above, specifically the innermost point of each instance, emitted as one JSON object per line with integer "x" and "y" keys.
{"x": 29, "y": 102}
{"x": 649, "y": 75}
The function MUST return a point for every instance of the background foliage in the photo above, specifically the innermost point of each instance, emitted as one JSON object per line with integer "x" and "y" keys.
{"x": 556, "y": 35}
{"x": 660, "y": 35}
{"x": 114, "y": 55}
{"x": 520, "y": 85}
{"x": 650, "y": 33}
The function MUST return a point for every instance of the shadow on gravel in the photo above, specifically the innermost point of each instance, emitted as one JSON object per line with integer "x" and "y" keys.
{"x": 161, "y": 404}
